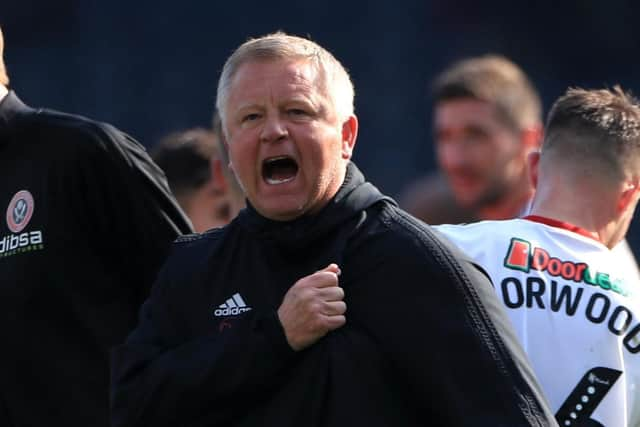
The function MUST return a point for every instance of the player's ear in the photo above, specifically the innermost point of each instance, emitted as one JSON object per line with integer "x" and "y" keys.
{"x": 629, "y": 194}
{"x": 533, "y": 162}
{"x": 531, "y": 137}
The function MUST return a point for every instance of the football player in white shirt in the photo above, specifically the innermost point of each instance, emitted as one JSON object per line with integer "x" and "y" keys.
{"x": 574, "y": 303}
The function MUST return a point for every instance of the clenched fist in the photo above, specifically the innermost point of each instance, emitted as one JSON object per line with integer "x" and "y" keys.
{"x": 312, "y": 307}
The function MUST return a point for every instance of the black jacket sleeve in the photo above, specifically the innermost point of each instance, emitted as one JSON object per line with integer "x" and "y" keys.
{"x": 161, "y": 376}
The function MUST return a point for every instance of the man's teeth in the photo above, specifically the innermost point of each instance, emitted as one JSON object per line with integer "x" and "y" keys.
{"x": 279, "y": 181}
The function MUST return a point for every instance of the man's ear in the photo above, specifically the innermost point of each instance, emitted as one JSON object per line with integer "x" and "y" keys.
{"x": 629, "y": 195}
{"x": 533, "y": 164}
{"x": 349, "y": 135}
{"x": 226, "y": 149}
{"x": 531, "y": 138}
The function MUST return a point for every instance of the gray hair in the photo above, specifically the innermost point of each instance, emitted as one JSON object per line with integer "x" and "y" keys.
{"x": 281, "y": 46}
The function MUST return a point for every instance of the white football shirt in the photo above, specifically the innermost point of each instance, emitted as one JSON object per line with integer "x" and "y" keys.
{"x": 575, "y": 306}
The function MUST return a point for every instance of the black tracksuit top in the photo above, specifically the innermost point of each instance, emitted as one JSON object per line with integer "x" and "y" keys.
{"x": 426, "y": 342}
{"x": 86, "y": 222}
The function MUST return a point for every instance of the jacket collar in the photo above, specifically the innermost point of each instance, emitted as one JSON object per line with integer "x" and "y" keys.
{"x": 354, "y": 196}
{"x": 10, "y": 107}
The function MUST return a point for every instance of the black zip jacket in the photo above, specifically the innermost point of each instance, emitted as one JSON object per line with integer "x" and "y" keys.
{"x": 425, "y": 343}
{"x": 86, "y": 222}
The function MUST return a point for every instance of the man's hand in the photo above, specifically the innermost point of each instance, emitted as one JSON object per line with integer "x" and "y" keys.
{"x": 312, "y": 307}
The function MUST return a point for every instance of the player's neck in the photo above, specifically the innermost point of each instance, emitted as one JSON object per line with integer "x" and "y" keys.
{"x": 576, "y": 210}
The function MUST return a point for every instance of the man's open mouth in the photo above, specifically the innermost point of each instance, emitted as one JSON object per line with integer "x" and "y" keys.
{"x": 278, "y": 170}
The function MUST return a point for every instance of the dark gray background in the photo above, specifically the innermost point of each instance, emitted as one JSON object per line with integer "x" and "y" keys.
{"x": 151, "y": 67}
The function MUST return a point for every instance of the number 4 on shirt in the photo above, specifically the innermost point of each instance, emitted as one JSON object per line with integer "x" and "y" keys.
{"x": 586, "y": 396}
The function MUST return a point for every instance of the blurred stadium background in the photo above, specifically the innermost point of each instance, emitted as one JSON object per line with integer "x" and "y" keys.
{"x": 151, "y": 67}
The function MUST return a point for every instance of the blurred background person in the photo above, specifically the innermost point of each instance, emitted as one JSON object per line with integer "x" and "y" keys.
{"x": 487, "y": 118}
{"x": 193, "y": 166}
{"x": 430, "y": 198}
{"x": 235, "y": 194}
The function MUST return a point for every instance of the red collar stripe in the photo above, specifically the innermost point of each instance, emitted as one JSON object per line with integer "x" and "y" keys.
{"x": 563, "y": 225}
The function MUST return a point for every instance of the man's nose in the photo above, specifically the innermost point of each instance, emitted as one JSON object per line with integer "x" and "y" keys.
{"x": 274, "y": 129}
{"x": 452, "y": 154}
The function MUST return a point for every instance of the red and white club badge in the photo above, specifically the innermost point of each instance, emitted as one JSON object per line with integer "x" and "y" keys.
{"x": 19, "y": 211}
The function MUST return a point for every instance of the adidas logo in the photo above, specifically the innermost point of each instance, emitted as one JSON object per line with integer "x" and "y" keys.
{"x": 232, "y": 307}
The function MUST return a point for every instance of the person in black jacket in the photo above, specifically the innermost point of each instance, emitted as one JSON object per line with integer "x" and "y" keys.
{"x": 322, "y": 303}
{"x": 87, "y": 221}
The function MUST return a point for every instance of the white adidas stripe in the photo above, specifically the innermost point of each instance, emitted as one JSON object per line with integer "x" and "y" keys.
{"x": 238, "y": 299}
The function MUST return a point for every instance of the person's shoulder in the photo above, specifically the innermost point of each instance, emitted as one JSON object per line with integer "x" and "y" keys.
{"x": 189, "y": 252}
{"x": 73, "y": 131}
{"x": 477, "y": 230}
{"x": 406, "y": 233}
{"x": 64, "y": 122}
{"x": 402, "y": 223}
{"x": 195, "y": 245}
{"x": 475, "y": 226}
{"x": 196, "y": 241}
{"x": 409, "y": 243}
{"x": 409, "y": 231}
{"x": 399, "y": 222}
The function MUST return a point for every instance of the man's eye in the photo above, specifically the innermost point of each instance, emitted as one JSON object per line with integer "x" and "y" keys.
{"x": 250, "y": 117}
{"x": 297, "y": 112}
{"x": 476, "y": 135}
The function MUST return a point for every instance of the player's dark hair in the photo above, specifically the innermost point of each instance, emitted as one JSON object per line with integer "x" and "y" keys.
{"x": 597, "y": 126}
{"x": 185, "y": 158}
